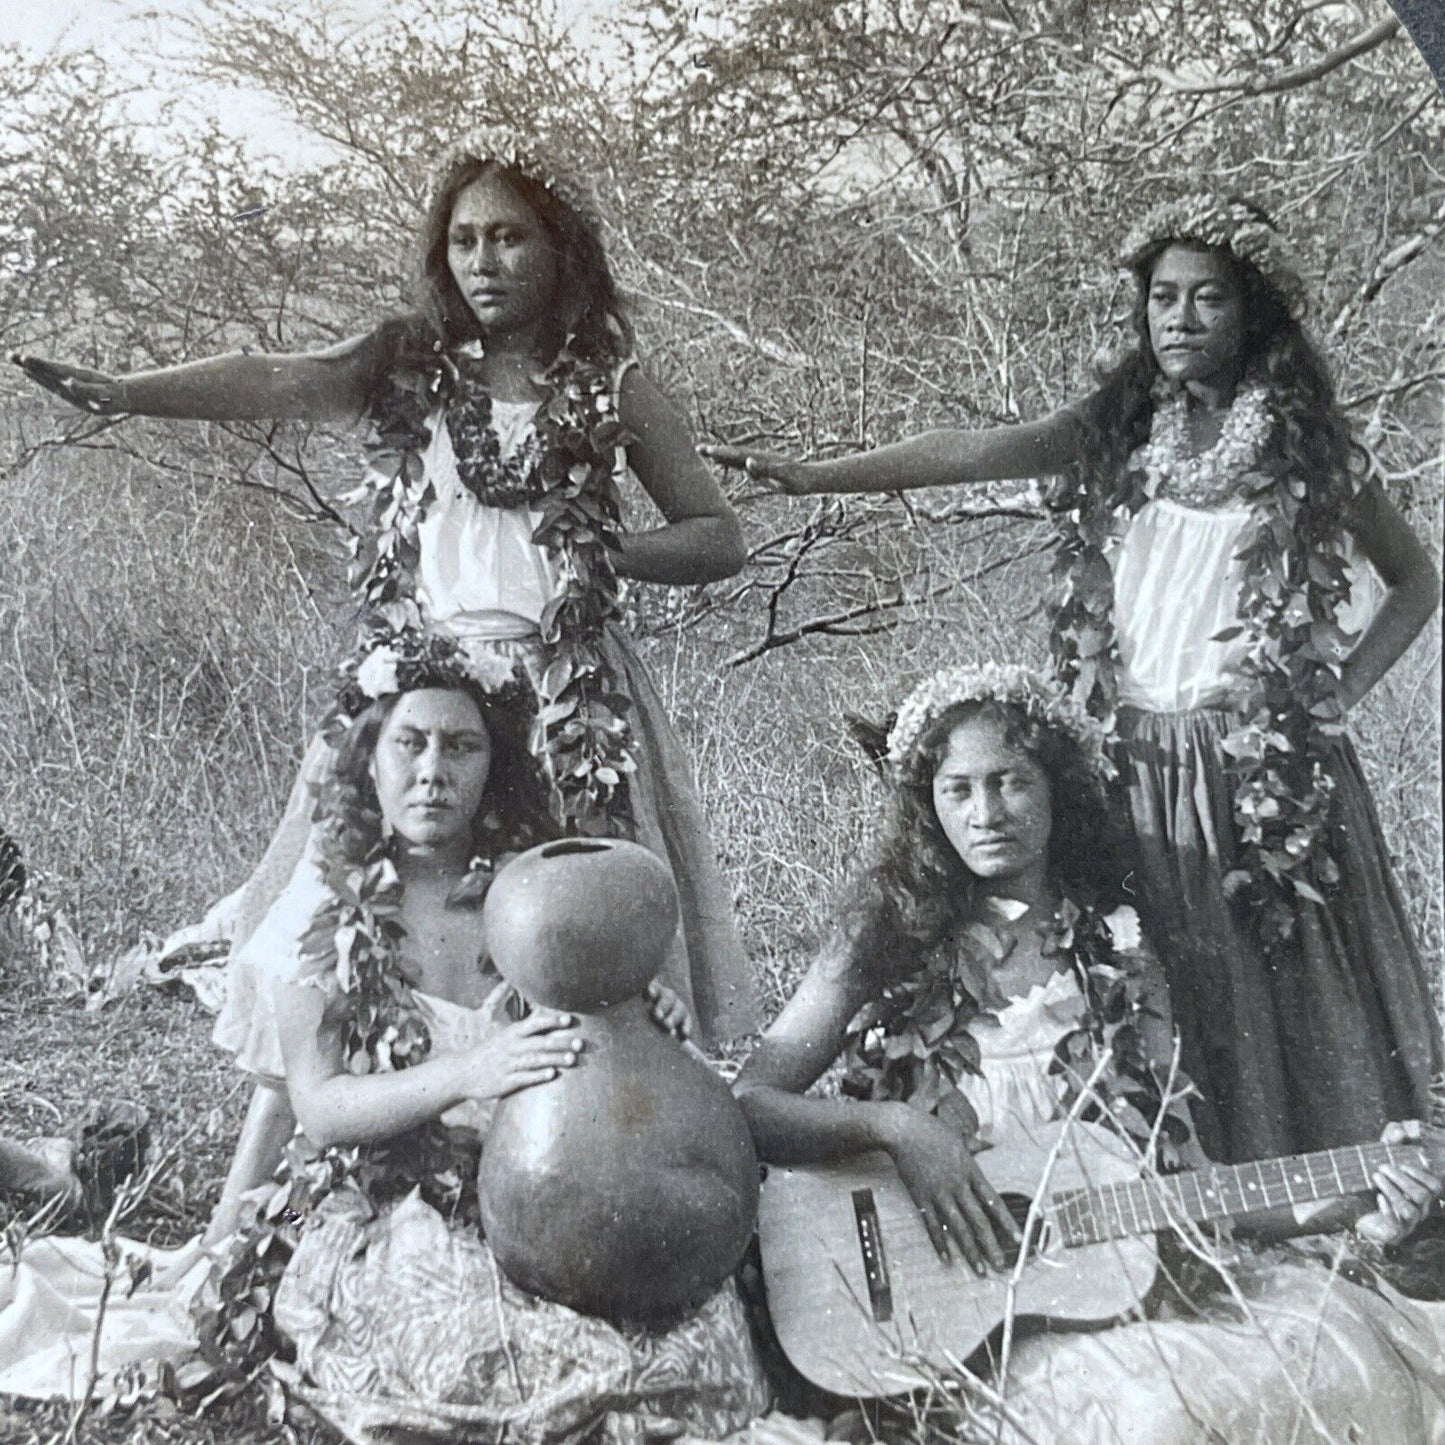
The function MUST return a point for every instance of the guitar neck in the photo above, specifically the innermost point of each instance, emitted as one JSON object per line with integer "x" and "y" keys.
{"x": 1223, "y": 1191}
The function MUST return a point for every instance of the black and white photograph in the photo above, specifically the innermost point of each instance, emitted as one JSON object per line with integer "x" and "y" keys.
{"x": 722, "y": 722}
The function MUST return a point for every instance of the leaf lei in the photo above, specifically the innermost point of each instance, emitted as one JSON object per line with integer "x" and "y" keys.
{"x": 354, "y": 943}
{"x": 1293, "y": 583}
{"x": 913, "y": 1043}
{"x": 582, "y": 735}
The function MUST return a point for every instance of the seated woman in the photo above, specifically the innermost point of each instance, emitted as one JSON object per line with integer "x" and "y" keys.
{"x": 981, "y": 927}
{"x": 398, "y": 1040}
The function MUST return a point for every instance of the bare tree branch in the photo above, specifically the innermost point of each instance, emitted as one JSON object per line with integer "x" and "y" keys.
{"x": 1296, "y": 76}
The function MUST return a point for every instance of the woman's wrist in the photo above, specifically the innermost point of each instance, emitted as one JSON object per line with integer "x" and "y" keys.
{"x": 454, "y": 1082}
{"x": 888, "y": 1124}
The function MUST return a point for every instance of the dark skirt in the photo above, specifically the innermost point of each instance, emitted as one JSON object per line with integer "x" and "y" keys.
{"x": 1327, "y": 1036}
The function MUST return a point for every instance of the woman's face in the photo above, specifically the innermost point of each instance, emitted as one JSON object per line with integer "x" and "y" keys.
{"x": 1196, "y": 316}
{"x": 430, "y": 767}
{"x": 993, "y": 802}
{"x": 501, "y": 258}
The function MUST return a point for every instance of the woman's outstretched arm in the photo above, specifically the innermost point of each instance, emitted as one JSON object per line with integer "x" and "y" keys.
{"x": 329, "y": 385}
{"x": 1413, "y": 591}
{"x": 1040, "y": 448}
{"x": 702, "y": 541}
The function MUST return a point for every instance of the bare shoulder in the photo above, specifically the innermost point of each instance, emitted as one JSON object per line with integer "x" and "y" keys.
{"x": 642, "y": 405}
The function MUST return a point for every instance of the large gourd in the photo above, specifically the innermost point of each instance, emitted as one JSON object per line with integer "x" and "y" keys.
{"x": 627, "y": 1187}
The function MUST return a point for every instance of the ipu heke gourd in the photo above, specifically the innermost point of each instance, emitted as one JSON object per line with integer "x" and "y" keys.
{"x": 627, "y": 1187}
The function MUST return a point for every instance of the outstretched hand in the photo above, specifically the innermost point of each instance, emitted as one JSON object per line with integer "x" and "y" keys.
{"x": 1405, "y": 1192}
{"x": 791, "y": 476}
{"x": 91, "y": 391}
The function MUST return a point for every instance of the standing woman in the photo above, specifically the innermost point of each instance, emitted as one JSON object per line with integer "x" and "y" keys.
{"x": 1203, "y": 595}
{"x": 502, "y": 413}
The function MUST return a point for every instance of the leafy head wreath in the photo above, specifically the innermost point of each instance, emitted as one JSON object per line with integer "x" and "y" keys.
{"x": 1039, "y": 697}
{"x": 513, "y": 151}
{"x": 1230, "y": 222}
{"x": 393, "y": 659}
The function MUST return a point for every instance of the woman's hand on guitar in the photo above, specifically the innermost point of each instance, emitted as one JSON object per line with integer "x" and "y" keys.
{"x": 91, "y": 391}
{"x": 669, "y": 1012}
{"x": 960, "y": 1209}
{"x": 1405, "y": 1192}
{"x": 791, "y": 476}
{"x": 533, "y": 1051}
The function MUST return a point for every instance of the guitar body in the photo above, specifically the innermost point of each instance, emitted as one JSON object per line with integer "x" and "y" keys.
{"x": 859, "y": 1296}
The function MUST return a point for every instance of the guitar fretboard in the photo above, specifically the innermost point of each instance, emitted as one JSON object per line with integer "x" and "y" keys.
{"x": 1144, "y": 1206}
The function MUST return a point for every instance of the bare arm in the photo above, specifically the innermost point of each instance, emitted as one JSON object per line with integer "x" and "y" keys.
{"x": 702, "y": 541}
{"x": 240, "y": 386}
{"x": 958, "y": 1206}
{"x": 334, "y": 1106}
{"x": 789, "y": 1128}
{"x": 1413, "y": 594}
{"x": 23, "y": 1171}
{"x": 1040, "y": 448}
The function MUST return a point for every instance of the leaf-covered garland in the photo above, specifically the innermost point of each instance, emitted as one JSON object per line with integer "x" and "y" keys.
{"x": 1293, "y": 583}
{"x": 582, "y": 735}
{"x": 913, "y": 1043}
{"x": 354, "y": 946}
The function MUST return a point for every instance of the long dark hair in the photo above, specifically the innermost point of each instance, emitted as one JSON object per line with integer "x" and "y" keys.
{"x": 1312, "y": 439}
{"x": 915, "y": 889}
{"x": 513, "y": 813}
{"x": 588, "y": 309}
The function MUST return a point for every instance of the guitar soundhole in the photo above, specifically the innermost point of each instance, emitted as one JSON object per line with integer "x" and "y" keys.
{"x": 1041, "y": 1236}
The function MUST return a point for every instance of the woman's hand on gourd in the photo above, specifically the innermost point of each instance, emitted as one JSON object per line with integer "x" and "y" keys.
{"x": 1405, "y": 1192}
{"x": 534, "y": 1051}
{"x": 960, "y": 1209}
{"x": 91, "y": 391}
{"x": 790, "y": 476}
{"x": 669, "y": 1012}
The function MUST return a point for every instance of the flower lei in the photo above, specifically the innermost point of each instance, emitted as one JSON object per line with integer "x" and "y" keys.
{"x": 1214, "y": 476}
{"x": 1292, "y": 585}
{"x": 913, "y": 1044}
{"x": 515, "y": 482}
{"x": 581, "y": 735}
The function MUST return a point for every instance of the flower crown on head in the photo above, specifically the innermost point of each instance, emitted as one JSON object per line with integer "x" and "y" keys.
{"x": 1229, "y": 222}
{"x": 523, "y": 154}
{"x": 1038, "y": 696}
{"x": 406, "y": 658}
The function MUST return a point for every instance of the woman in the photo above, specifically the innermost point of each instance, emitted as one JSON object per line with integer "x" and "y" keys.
{"x": 500, "y": 412}
{"x": 997, "y": 818}
{"x": 1203, "y": 596}
{"x": 398, "y": 1040}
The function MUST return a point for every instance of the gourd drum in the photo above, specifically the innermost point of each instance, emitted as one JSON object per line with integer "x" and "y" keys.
{"x": 627, "y": 1187}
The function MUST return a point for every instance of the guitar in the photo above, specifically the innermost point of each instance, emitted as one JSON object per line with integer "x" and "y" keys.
{"x": 863, "y": 1305}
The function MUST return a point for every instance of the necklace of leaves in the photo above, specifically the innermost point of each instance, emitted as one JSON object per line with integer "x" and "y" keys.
{"x": 581, "y": 735}
{"x": 913, "y": 1043}
{"x": 1293, "y": 581}
{"x": 354, "y": 944}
